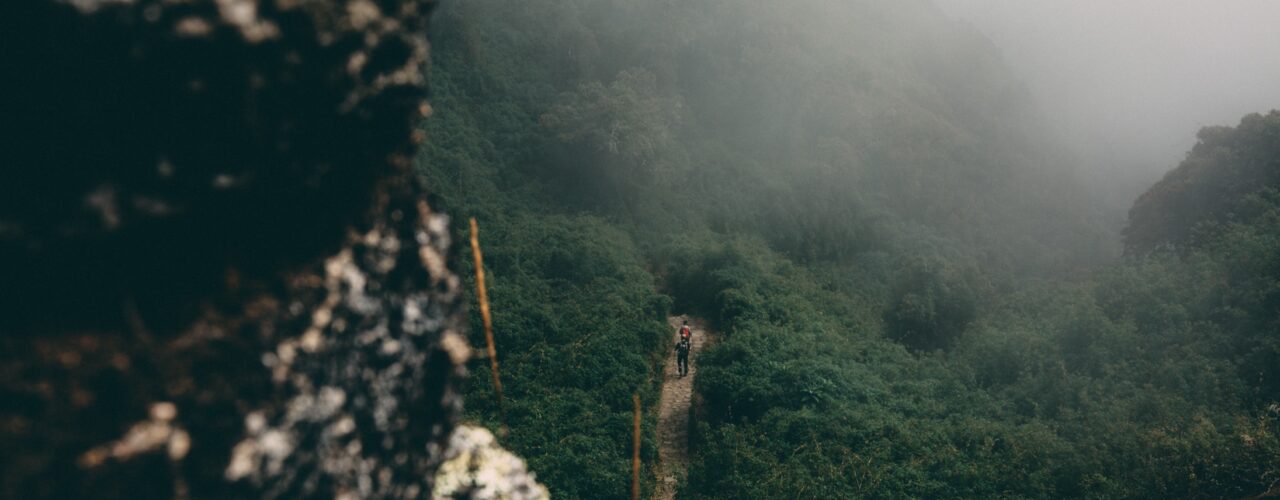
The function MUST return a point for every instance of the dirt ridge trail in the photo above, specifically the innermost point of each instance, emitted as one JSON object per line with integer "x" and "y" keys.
{"x": 673, "y": 413}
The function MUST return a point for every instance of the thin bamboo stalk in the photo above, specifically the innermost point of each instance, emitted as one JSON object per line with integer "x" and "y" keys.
{"x": 483, "y": 296}
{"x": 635, "y": 457}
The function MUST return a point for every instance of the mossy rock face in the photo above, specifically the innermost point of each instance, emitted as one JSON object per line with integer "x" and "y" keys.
{"x": 222, "y": 279}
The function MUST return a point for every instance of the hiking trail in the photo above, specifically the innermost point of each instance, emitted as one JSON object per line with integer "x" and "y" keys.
{"x": 673, "y": 413}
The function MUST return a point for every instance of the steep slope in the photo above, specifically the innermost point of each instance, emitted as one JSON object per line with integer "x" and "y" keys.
{"x": 599, "y": 139}
{"x": 825, "y": 128}
{"x": 1226, "y": 165}
{"x": 1220, "y": 211}
{"x": 912, "y": 298}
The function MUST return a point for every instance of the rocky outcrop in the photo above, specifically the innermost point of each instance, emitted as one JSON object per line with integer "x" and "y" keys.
{"x": 221, "y": 277}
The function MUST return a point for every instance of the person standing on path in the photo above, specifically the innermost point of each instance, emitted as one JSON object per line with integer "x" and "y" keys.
{"x": 682, "y": 355}
{"x": 683, "y": 346}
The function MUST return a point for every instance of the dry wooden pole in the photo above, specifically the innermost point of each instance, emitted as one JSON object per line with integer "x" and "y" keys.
{"x": 483, "y": 296}
{"x": 635, "y": 458}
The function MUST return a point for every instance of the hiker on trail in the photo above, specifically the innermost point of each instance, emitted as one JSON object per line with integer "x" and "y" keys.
{"x": 685, "y": 331}
{"x": 682, "y": 355}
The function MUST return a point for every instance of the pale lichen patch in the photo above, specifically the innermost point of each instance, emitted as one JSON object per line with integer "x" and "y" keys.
{"x": 155, "y": 433}
{"x": 475, "y": 466}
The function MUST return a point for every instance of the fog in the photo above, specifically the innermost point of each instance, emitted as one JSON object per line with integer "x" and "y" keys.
{"x": 1128, "y": 83}
{"x": 225, "y": 234}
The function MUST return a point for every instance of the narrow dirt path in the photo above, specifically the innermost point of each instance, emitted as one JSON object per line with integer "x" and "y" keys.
{"x": 673, "y": 415}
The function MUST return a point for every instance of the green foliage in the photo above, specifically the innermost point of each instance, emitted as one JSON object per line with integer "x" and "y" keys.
{"x": 1225, "y": 166}
{"x": 624, "y": 127}
{"x": 577, "y": 320}
{"x": 930, "y": 308}
{"x": 1114, "y": 388}
{"x": 577, "y": 324}
{"x": 911, "y": 300}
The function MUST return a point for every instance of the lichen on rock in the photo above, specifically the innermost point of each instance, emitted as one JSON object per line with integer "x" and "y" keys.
{"x": 476, "y": 467}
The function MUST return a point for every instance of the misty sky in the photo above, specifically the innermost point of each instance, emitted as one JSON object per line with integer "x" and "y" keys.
{"x": 1133, "y": 80}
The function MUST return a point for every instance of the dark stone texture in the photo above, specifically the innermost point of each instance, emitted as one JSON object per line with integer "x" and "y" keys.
{"x": 162, "y": 142}
{"x": 221, "y": 278}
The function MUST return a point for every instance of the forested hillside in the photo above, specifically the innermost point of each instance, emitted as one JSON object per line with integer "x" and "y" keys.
{"x": 915, "y": 302}
{"x": 1215, "y": 185}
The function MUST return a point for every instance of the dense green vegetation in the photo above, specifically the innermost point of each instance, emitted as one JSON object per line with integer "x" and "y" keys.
{"x": 1226, "y": 166}
{"x": 914, "y": 302}
{"x": 1155, "y": 380}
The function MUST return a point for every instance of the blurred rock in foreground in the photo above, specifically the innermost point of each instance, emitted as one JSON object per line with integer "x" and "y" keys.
{"x": 476, "y": 467}
{"x": 220, "y": 277}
